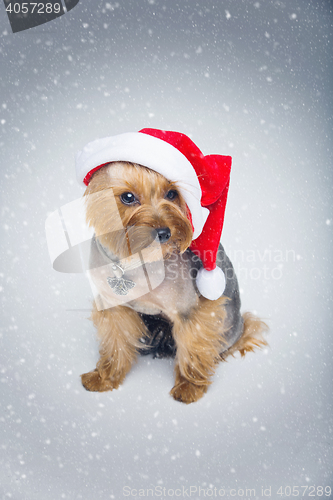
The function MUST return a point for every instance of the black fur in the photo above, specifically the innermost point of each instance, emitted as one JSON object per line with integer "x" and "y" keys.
{"x": 159, "y": 342}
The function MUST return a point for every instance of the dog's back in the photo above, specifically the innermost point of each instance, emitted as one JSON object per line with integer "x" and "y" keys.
{"x": 240, "y": 333}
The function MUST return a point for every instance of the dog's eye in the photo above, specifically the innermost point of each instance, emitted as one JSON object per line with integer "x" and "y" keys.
{"x": 171, "y": 195}
{"x": 128, "y": 198}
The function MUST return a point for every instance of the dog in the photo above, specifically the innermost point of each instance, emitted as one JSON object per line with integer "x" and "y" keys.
{"x": 173, "y": 319}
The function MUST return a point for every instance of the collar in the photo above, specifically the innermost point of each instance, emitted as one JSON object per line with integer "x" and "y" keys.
{"x": 123, "y": 265}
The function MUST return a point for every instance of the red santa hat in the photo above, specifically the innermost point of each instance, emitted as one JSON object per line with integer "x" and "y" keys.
{"x": 203, "y": 181}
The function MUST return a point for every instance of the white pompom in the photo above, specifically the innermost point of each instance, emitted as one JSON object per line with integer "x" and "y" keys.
{"x": 211, "y": 284}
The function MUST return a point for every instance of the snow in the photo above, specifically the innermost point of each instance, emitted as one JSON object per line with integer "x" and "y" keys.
{"x": 266, "y": 421}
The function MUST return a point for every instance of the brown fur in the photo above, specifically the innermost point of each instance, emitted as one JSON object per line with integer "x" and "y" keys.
{"x": 252, "y": 338}
{"x": 119, "y": 330}
{"x": 197, "y": 325}
{"x": 154, "y": 210}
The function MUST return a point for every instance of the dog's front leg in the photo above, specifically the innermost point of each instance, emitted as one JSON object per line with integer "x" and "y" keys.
{"x": 119, "y": 330}
{"x": 199, "y": 339}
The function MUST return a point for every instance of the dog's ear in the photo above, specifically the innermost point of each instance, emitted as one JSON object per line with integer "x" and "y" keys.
{"x": 100, "y": 180}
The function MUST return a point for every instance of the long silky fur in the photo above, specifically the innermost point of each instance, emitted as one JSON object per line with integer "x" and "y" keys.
{"x": 197, "y": 330}
{"x": 253, "y": 337}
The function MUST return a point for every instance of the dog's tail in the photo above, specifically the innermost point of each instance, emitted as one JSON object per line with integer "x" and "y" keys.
{"x": 253, "y": 336}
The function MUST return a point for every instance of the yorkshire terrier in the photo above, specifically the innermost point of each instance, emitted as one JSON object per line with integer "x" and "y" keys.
{"x": 174, "y": 318}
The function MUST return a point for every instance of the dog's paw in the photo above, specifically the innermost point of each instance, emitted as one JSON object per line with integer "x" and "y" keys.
{"x": 186, "y": 392}
{"x": 92, "y": 381}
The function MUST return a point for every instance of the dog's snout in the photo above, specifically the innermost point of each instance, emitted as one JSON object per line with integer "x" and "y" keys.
{"x": 163, "y": 234}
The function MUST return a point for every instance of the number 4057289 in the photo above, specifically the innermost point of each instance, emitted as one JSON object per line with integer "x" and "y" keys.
{"x": 301, "y": 491}
{"x": 33, "y": 8}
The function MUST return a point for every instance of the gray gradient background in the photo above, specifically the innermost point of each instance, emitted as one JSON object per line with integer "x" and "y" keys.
{"x": 248, "y": 78}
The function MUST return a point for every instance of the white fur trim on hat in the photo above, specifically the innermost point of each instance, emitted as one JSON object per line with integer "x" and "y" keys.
{"x": 153, "y": 153}
{"x": 211, "y": 284}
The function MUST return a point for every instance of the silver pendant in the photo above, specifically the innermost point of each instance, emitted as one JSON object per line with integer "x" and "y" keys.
{"x": 119, "y": 285}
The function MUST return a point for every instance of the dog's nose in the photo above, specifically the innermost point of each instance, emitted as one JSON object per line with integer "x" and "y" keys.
{"x": 163, "y": 234}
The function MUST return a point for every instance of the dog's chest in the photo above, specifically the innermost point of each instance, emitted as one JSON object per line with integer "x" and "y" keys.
{"x": 177, "y": 292}
{"x": 164, "y": 287}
